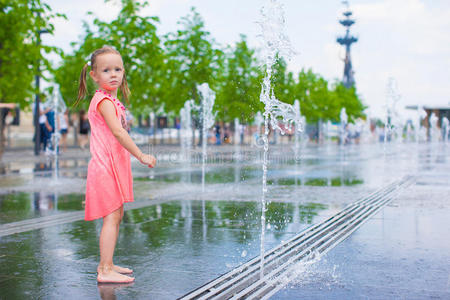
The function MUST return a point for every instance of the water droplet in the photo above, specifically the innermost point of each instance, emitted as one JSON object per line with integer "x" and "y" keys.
{"x": 244, "y": 253}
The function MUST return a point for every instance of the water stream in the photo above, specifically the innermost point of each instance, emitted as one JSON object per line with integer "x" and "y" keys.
{"x": 281, "y": 116}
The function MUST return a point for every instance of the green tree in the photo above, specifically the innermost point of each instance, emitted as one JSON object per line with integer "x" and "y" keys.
{"x": 21, "y": 58}
{"x": 193, "y": 58}
{"x": 319, "y": 101}
{"x": 348, "y": 98}
{"x": 239, "y": 84}
{"x": 319, "y": 97}
{"x": 311, "y": 90}
{"x": 283, "y": 82}
{"x": 136, "y": 39}
{"x": 20, "y": 47}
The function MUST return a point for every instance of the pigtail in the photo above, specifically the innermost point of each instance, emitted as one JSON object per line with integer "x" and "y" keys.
{"x": 82, "y": 88}
{"x": 124, "y": 88}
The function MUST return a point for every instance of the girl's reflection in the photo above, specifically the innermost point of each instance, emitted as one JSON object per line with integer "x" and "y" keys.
{"x": 107, "y": 291}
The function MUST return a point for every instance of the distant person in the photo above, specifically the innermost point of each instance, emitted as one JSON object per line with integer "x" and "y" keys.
{"x": 241, "y": 133}
{"x": 44, "y": 127}
{"x": 63, "y": 119}
{"x": 226, "y": 135}
{"x": 84, "y": 129}
{"x": 109, "y": 180}
{"x": 50, "y": 126}
{"x": 50, "y": 114}
{"x": 129, "y": 119}
{"x": 7, "y": 118}
{"x": 217, "y": 133}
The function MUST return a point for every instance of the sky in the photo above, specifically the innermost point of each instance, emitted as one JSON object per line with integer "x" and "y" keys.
{"x": 408, "y": 40}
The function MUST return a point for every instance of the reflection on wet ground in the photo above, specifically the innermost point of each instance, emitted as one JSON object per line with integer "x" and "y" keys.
{"x": 181, "y": 235}
{"x": 19, "y": 205}
{"x": 187, "y": 241}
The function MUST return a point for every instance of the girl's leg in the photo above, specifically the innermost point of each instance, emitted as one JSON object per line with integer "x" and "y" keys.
{"x": 108, "y": 238}
{"x": 119, "y": 269}
{"x": 120, "y": 221}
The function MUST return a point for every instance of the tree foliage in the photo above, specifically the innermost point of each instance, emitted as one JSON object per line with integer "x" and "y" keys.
{"x": 192, "y": 59}
{"x": 20, "y": 47}
{"x": 164, "y": 72}
{"x": 135, "y": 38}
{"x": 239, "y": 84}
{"x": 283, "y": 82}
{"x": 321, "y": 101}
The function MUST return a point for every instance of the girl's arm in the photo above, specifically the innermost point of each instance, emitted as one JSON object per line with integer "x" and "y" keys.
{"x": 107, "y": 110}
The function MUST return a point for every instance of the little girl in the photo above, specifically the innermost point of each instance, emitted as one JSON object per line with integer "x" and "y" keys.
{"x": 109, "y": 180}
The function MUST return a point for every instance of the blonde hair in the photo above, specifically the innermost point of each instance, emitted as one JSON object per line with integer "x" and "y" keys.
{"x": 82, "y": 88}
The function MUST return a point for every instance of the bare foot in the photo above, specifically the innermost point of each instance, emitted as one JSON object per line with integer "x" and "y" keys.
{"x": 122, "y": 270}
{"x": 113, "y": 277}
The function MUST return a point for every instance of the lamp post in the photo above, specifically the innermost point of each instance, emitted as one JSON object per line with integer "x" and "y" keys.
{"x": 37, "y": 129}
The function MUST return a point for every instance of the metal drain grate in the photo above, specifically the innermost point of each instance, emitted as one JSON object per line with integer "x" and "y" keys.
{"x": 246, "y": 280}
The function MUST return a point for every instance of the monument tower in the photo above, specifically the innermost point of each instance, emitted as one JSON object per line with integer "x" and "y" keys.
{"x": 347, "y": 40}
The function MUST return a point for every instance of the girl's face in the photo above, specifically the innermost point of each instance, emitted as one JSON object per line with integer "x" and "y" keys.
{"x": 108, "y": 71}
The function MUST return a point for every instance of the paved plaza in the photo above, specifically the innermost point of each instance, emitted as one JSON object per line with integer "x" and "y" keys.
{"x": 178, "y": 236}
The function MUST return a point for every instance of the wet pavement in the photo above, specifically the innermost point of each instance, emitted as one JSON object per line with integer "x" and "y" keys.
{"x": 181, "y": 234}
{"x": 401, "y": 253}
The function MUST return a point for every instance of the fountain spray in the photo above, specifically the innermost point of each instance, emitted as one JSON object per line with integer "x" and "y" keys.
{"x": 258, "y": 121}
{"x": 421, "y": 115}
{"x": 392, "y": 97}
{"x": 274, "y": 43}
{"x": 186, "y": 126}
{"x": 344, "y": 122}
{"x": 59, "y": 107}
{"x": 207, "y": 97}
{"x": 445, "y": 128}
{"x": 433, "y": 121}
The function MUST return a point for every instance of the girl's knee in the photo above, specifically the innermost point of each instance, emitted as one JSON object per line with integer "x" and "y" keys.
{"x": 115, "y": 217}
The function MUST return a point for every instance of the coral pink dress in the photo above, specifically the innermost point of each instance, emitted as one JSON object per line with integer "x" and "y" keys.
{"x": 109, "y": 179}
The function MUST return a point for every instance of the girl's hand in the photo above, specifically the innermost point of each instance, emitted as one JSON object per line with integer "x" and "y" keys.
{"x": 148, "y": 160}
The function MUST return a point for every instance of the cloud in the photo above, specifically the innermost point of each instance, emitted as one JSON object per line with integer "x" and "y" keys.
{"x": 406, "y": 39}
{"x": 424, "y": 27}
